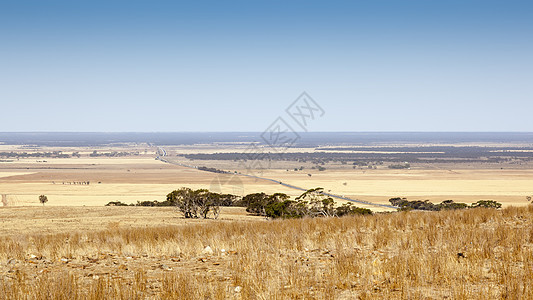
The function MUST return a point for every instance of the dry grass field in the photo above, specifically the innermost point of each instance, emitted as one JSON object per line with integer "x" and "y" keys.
{"x": 467, "y": 254}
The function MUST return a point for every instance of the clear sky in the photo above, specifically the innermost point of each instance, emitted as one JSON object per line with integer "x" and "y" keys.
{"x": 236, "y": 65}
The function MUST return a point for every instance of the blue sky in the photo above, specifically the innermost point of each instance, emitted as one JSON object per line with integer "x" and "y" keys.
{"x": 236, "y": 65}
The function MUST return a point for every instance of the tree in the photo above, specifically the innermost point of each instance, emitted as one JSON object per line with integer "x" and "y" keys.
{"x": 320, "y": 203}
{"x": 255, "y": 203}
{"x": 279, "y": 209}
{"x": 43, "y": 199}
{"x": 197, "y": 203}
{"x": 184, "y": 199}
{"x": 398, "y": 202}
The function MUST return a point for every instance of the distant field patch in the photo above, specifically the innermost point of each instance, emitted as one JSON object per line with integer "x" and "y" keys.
{"x": 9, "y": 174}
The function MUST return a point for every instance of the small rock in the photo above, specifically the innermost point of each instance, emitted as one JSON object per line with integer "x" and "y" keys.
{"x": 33, "y": 256}
{"x": 223, "y": 251}
{"x": 129, "y": 257}
{"x": 64, "y": 260}
{"x": 165, "y": 267}
{"x": 238, "y": 289}
{"x": 207, "y": 251}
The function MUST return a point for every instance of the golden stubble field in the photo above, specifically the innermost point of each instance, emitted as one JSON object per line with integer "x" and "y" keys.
{"x": 111, "y": 179}
{"x": 510, "y": 187}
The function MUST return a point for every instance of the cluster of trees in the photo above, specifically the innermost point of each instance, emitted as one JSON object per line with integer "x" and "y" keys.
{"x": 403, "y": 204}
{"x": 201, "y": 203}
{"x": 312, "y": 203}
{"x": 213, "y": 170}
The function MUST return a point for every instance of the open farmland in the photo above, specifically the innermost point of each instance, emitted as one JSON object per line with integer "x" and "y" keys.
{"x": 128, "y": 180}
{"x": 94, "y": 176}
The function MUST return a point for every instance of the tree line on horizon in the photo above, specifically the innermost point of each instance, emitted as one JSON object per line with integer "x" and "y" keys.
{"x": 405, "y": 205}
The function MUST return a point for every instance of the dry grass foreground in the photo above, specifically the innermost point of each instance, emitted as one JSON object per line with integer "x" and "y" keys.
{"x": 467, "y": 254}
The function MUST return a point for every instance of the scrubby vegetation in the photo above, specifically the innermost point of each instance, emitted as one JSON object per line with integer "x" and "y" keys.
{"x": 400, "y": 166}
{"x": 403, "y": 204}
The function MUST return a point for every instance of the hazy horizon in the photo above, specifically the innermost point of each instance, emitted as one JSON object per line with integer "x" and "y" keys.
{"x": 305, "y": 139}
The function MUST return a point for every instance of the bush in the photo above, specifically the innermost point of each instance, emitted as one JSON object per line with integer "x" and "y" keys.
{"x": 487, "y": 204}
{"x": 451, "y": 205}
{"x": 400, "y": 166}
{"x": 117, "y": 203}
{"x": 348, "y": 209}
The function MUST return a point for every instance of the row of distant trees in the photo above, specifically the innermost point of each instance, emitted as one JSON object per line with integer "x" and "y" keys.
{"x": 112, "y": 154}
{"x": 403, "y": 204}
{"x": 54, "y": 154}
